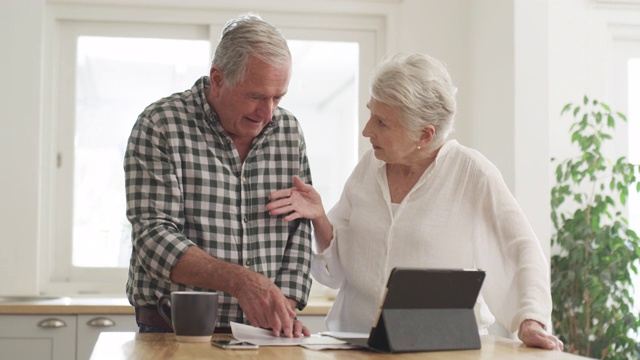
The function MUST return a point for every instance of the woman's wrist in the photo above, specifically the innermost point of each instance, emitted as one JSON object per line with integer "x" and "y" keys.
{"x": 324, "y": 232}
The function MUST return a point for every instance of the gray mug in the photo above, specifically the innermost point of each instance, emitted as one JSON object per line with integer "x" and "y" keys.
{"x": 193, "y": 314}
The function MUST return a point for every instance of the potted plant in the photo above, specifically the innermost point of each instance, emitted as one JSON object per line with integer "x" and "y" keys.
{"x": 596, "y": 253}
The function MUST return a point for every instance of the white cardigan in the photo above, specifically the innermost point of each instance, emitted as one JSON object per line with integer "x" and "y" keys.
{"x": 460, "y": 214}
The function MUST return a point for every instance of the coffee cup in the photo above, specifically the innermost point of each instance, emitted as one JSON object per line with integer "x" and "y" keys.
{"x": 193, "y": 314}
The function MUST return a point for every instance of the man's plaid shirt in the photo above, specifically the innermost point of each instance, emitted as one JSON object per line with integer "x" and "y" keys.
{"x": 186, "y": 186}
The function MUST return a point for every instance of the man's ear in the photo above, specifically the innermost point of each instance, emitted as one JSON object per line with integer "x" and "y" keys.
{"x": 216, "y": 78}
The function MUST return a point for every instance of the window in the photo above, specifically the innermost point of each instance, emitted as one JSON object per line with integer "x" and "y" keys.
{"x": 323, "y": 94}
{"x": 108, "y": 72}
{"x": 633, "y": 135}
{"x": 634, "y": 153}
{"x": 116, "y": 77}
{"x": 624, "y": 77}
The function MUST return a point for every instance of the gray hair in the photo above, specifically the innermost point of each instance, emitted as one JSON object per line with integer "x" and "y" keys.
{"x": 248, "y": 35}
{"x": 421, "y": 88}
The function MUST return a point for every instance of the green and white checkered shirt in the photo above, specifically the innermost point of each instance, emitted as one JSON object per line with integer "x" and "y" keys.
{"x": 186, "y": 186}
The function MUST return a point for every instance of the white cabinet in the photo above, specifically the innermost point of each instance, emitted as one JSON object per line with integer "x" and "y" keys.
{"x": 90, "y": 327}
{"x": 56, "y": 337}
{"x": 38, "y": 337}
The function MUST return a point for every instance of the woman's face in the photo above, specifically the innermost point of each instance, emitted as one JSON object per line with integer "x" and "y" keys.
{"x": 388, "y": 137}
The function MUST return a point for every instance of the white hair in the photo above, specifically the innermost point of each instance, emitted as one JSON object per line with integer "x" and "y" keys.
{"x": 248, "y": 35}
{"x": 421, "y": 88}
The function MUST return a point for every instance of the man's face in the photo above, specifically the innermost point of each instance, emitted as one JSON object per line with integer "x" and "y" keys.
{"x": 248, "y": 107}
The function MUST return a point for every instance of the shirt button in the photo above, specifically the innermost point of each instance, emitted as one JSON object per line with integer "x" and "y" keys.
{"x": 245, "y": 219}
{"x": 244, "y": 179}
{"x": 248, "y": 262}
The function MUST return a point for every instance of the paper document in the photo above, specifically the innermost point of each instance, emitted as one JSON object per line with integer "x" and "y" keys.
{"x": 264, "y": 337}
{"x": 345, "y": 335}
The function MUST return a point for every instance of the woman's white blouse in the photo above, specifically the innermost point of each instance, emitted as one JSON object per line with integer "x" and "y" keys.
{"x": 460, "y": 214}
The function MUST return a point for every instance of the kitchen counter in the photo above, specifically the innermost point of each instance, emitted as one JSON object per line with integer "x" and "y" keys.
{"x": 96, "y": 305}
{"x": 132, "y": 346}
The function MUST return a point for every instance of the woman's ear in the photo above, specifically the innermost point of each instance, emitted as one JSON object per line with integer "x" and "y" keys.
{"x": 428, "y": 133}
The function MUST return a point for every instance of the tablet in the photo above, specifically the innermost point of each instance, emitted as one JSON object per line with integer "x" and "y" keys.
{"x": 427, "y": 309}
{"x": 420, "y": 288}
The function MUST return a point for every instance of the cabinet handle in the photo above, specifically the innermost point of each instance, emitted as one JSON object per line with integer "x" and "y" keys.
{"x": 51, "y": 323}
{"x": 101, "y": 322}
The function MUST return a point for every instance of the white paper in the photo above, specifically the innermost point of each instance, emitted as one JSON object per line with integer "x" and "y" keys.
{"x": 345, "y": 335}
{"x": 332, "y": 347}
{"x": 264, "y": 337}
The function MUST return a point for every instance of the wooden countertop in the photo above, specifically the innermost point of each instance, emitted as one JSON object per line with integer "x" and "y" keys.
{"x": 66, "y": 305}
{"x": 132, "y": 346}
{"x": 112, "y": 306}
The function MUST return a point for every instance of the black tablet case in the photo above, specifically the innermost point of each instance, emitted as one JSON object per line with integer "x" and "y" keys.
{"x": 427, "y": 310}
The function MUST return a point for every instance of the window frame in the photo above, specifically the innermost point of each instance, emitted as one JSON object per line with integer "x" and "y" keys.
{"x": 624, "y": 42}
{"x": 57, "y": 275}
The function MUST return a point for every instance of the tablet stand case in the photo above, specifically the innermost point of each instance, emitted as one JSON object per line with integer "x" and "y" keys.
{"x": 437, "y": 317}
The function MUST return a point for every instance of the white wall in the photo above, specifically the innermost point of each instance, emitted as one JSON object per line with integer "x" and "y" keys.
{"x": 441, "y": 29}
{"x": 21, "y": 74}
{"x": 497, "y": 53}
{"x": 568, "y": 63}
{"x": 531, "y": 115}
{"x": 501, "y": 94}
{"x": 587, "y": 38}
{"x": 491, "y": 64}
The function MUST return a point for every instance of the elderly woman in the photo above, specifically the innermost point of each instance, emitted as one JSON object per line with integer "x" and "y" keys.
{"x": 417, "y": 199}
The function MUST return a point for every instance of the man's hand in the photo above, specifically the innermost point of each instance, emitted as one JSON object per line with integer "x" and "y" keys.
{"x": 261, "y": 300}
{"x": 299, "y": 330}
{"x": 265, "y": 306}
{"x": 533, "y": 334}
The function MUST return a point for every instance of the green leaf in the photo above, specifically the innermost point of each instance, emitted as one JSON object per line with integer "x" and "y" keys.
{"x": 566, "y": 108}
{"x": 576, "y": 111}
{"x": 575, "y": 136}
{"x": 595, "y": 222}
{"x": 598, "y": 117}
{"x": 585, "y": 100}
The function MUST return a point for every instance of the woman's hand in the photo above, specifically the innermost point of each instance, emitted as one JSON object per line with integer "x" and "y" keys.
{"x": 300, "y": 201}
{"x": 533, "y": 334}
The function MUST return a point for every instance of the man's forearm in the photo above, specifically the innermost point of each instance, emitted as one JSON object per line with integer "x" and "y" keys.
{"x": 197, "y": 268}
